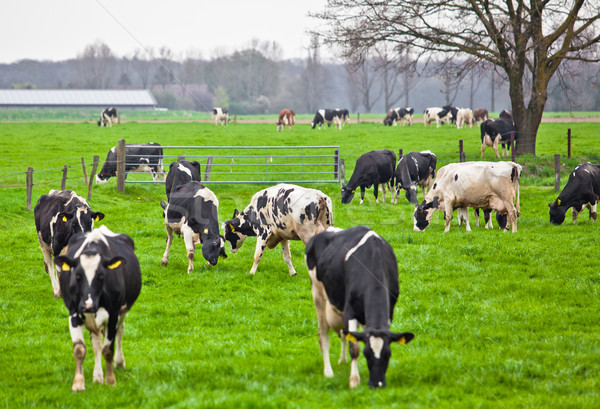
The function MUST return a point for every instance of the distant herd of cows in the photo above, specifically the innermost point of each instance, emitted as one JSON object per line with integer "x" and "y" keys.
{"x": 353, "y": 272}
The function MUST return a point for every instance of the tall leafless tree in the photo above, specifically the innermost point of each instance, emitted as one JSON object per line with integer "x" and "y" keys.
{"x": 389, "y": 67}
{"x": 363, "y": 78}
{"x": 528, "y": 41}
{"x": 95, "y": 68}
{"x": 142, "y": 64}
{"x": 164, "y": 72}
{"x": 312, "y": 76}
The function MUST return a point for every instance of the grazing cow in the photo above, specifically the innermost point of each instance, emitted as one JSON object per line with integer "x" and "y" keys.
{"x": 453, "y": 113}
{"x": 488, "y": 185}
{"x": 372, "y": 168}
{"x": 286, "y": 117}
{"x": 328, "y": 116}
{"x": 415, "y": 168}
{"x": 344, "y": 115}
{"x": 220, "y": 115}
{"x": 506, "y": 114}
{"x": 109, "y": 116}
{"x": 100, "y": 279}
{"x": 480, "y": 115}
{"x": 277, "y": 214}
{"x": 464, "y": 116}
{"x": 439, "y": 115}
{"x": 495, "y": 132}
{"x": 192, "y": 211}
{"x": 391, "y": 118}
{"x": 138, "y": 158}
{"x": 354, "y": 279}
{"x": 405, "y": 115}
{"x": 463, "y": 216}
{"x": 180, "y": 173}
{"x": 59, "y": 215}
{"x": 582, "y": 190}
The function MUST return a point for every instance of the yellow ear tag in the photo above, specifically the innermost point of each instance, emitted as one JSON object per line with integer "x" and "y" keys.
{"x": 205, "y": 231}
{"x": 231, "y": 227}
{"x": 402, "y": 341}
{"x": 65, "y": 267}
{"x": 65, "y": 218}
{"x": 354, "y": 191}
{"x": 351, "y": 337}
{"x": 559, "y": 202}
{"x": 115, "y": 265}
{"x": 97, "y": 219}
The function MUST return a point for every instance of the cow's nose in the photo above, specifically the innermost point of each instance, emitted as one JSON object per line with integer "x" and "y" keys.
{"x": 89, "y": 303}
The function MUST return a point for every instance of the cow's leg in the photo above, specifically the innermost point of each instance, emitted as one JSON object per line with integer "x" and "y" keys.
{"x": 165, "y": 258}
{"x": 487, "y": 216}
{"x": 362, "y": 194}
{"x": 49, "y": 266}
{"x": 476, "y": 213}
{"x": 447, "y": 216}
{"x": 511, "y": 216}
{"x": 320, "y": 300}
{"x": 463, "y": 215}
{"x": 119, "y": 357}
{"x": 188, "y": 238}
{"x": 343, "y": 351}
{"x": 78, "y": 353}
{"x": 96, "y": 337}
{"x": 575, "y": 213}
{"x": 108, "y": 351}
{"x": 354, "y": 353}
{"x": 482, "y": 148}
{"x": 258, "y": 253}
{"x": 287, "y": 257}
{"x": 593, "y": 212}
{"x": 376, "y": 192}
{"x": 495, "y": 146}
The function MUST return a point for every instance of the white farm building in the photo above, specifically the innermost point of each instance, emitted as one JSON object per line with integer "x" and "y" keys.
{"x": 79, "y": 99}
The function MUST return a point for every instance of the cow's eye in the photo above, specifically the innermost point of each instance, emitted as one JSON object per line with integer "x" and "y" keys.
{"x": 79, "y": 276}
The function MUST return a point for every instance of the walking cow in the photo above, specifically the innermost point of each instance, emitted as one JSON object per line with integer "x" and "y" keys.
{"x": 180, "y": 173}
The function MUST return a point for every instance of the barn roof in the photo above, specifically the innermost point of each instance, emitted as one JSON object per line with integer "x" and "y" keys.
{"x": 33, "y": 98}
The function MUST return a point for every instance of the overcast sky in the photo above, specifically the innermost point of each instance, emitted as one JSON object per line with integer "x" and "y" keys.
{"x": 61, "y": 29}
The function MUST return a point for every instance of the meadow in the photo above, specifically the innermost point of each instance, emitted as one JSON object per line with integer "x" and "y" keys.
{"x": 500, "y": 320}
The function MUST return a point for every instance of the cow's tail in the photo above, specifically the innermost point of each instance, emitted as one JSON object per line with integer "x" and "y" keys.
{"x": 325, "y": 217}
{"x": 515, "y": 178}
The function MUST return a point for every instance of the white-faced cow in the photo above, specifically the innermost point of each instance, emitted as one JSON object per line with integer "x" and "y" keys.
{"x": 415, "y": 169}
{"x": 58, "y": 216}
{"x": 372, "y": 169}
{"x": 278, "y": 214}
{"x": 220, "y": 115}
{"x": 495, "y": 132}
{"x": 354, "y": 278}
{"x": 439, "y": 115}
{"x": 480, "y": 115}
{"x": 109, "y": 116}
{"x": 287, "y": 117}
{"x": 138, "y": 158}
{"x": 100, "y": 279}
{"x": 180, "y": 173}
{"x": 488, "y": 185}
{"x": 192, "y": 211}
{"x": 582, "y": 190}
{"x": 464, "y": 116}
{"x": 327, "y": 116}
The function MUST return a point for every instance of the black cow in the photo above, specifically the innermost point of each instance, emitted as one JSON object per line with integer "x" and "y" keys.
{"x": 138, "y": 158}
{"x": 100, "y": 279}
{"x": 449, "y": 109}
{"x": 354, "y": 278}
{"x": 415, "y": 168}
{"x": 180, "y": 173}
{"x": 58, "y": 216}
{"x": 193, "y": 212}
{"x": 582, "y": 190}
{"x": 328, "y": 116}
{"x": 372, "y": 168}
{"x": 109, "y": 116}
{"x": 495, "y": 132}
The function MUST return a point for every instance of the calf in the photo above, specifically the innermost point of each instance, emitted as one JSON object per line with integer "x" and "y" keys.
{"x": 372, "y": 168}
{"x": 109, "y": 116}
{"x": 415, "y": 169}
{"x": 286, "y": 117}
{"x": 220, "y": 115}
{"x": 277, "y": 214}
{"x": 495, "y": 132}
{"x": 100, "y": 280}
{"x": 328, "y": 116}
{"x": 464, "y": 116}
{"x": 354, "y": 279}
{"x": 193, "y": 212}
{"x": 180, "y": 173}
{"x": 480, "y": 115}
{"x": 492, "y": 185}
{"x": 138, "y": 158}
{"x": 58, "y": 216}
{"x": 582, "y": 190}
{"x": 439, "y": 115}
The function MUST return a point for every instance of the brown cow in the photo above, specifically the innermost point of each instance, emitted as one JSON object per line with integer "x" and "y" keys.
{"x": 286, "y": 117}
{"x": 480, "y": 115}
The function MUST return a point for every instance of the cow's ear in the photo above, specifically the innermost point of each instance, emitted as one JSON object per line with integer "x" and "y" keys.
{"x": 222, "y": 253}
{"x": 64, "y": 263}
{"x": 354, "y": 336}
{"x": 230, "y": 227}
{"x": 163, "y": 204}
{"x": 64, "y": 217}
{"x": 551, "y": 205}
{"x": 435, "y": 202}
{"x": 97, "y": 216}
{"x": 401, "y": 337}
{"x": 114, "y": 262}
{"x": 235, "y": 213}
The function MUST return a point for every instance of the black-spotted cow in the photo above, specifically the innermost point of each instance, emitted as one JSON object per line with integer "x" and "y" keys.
{"x": 415, "y": 169}
{"x": 372, "y": 169}
{"x": 180, "y": 173}
{"x": 582, "y": 190}
{"x": 109, "y": 116}
{"x": 138, "y": 158}
{"x": 220, "y": 116}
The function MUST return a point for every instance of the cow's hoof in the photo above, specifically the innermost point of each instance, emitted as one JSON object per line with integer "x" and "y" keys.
{"x": 164, "y": 262}
{"x": 354, "y": 381}
{"x": 110, "y": 380}
{"x": 78, "y": 383}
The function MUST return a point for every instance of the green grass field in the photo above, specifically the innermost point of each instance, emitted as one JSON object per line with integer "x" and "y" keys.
{"x": 501, "y": 320}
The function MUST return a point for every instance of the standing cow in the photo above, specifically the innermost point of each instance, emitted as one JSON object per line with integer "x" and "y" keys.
{"x": 415, "y": 169}
{"x": 328, "y": 116}
{"x": 109, "y": 116}
{"x": 354, "y": 278}
{"x": 439, "y": 115}
{"x": 372, "y": 168}
{"x": 480, "y": 115}
{"x": 100, "y": 279}
{"x": 58, "y": 216}
{"x": 220, "y": 116}
{"x": 180, "y": 173}
{"x": 138, "y": 158}
{"x": 287, "y": 117}
{"x": 278, "y": 214}
{"x": 495, "y": 132}
{"x": 464, "y": 116}
{"x": 582, "y": 190}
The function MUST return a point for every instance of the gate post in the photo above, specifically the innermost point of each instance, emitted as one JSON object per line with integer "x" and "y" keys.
{"x": 121, "y": 158}
{"x": 336, "y": 164}
{"x": 29, "y": 186}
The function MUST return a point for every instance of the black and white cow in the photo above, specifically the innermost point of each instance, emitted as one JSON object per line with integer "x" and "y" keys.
{"x": 582, "y": 190}
{"x": 372, "y": 168}
{"x": 220, "y": 115}
{"x": 109, "y": 116}
{"x": 354, "y": 278}
{"x": 328, "y": 116}
{"x": 506, "y": 114}
{"x": 58, "y": 216}
{"x": 439, "y": 115}
{"x": 395, "y": 115}
{"x": 278, "y": 214}
{"x": 192, "y": 211}
{"x": 180, "y": 173}
{"x": 415, "y": 169}
{"x": 100, "y": 279}
{"x": 138, "y": 158}
{"x": 495, "y": 132}
{"x": 344, "y": 115}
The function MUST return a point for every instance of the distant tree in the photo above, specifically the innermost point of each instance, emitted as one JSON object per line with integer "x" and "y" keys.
{"x": 221, "y": 98}
{"x": 142, "y": 64}
{"x": 191, "y": 72}
{"x": 312, "y": 76}
{"x": 362, "y": 76}
{"x": 95, "y": 67}
{"x": 164, "y": 72}
{"x": 388, "y": 66}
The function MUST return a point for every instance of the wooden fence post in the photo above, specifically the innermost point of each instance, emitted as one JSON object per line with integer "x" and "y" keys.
{"x": 121, "y": 158}
{"x": 29, "y": 186}
{"x": 512, "y": 146}
{"x": 208, "y": 169}
{"x": 180, "y": 157}
{"x": 556, "y": 172}
{"x": 342, "y": 172}
{"x": 85, "y": 179}
{"x": 63, "y": 184}
{"x": 569, "y": 143}
{"x": 461, "y": 153}
{"x": 358, "y": 118}
{"x": 235, "y": 119}
{"x": 336, "y": 164}
{"x": 92, "y": 175}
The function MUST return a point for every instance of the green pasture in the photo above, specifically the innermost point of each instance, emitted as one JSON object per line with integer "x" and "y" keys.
{"x": 500, "y": 320}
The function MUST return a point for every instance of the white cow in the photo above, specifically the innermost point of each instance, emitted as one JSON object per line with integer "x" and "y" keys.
{"x": 220, "y": 115}
{"x": 439, "y": 115}
{"x": 464, "y": 116}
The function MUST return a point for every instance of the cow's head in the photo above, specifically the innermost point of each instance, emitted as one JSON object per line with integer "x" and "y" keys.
{"x": 213, "y": 248}
{"x": 411, "y": 194}
{"x": 67, "y": 224}
{"x": 377, "y": 350}
{"x": 233, "y": 233}
{"x": 347, "y": 194}
{"x": 423, "y": 214}
{"x": 87, "y": 276}
{"x": 557, "y": 212}
{"x": 100, "y": 123}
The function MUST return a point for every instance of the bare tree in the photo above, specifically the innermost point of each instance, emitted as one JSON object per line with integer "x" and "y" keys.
{"x": 388, "y": 65}
{"x": 312, "y": 76}
{"x": 528, "y": 41}
{"x": 95, "y": 67}
{"x": 164, "y": 73}
{"x": 363, "y": 78}
{"x": 142, "y": 64}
